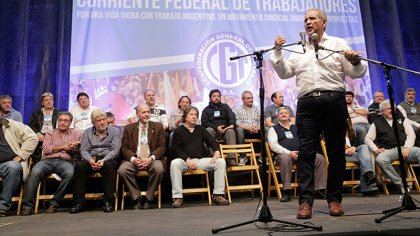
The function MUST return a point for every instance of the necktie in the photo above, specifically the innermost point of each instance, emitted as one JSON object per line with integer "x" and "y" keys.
{"x": 144, "y": 147}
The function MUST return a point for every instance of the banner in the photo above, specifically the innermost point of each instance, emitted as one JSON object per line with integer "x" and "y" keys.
{"x": 182, "y": 47}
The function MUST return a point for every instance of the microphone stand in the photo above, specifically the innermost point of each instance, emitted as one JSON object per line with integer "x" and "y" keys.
{"x": 407, "y": 202}
{"x": 265, "y": 214}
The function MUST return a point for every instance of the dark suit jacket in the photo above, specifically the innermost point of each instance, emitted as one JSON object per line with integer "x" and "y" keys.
{"x": 155, "y": 136}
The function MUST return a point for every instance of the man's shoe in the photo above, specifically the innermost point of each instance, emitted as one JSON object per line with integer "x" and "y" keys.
{"x": 77, "y": 208}
{"x": 286, "y": 198}
{"x": 108, "y": 207}
{"x": 304, "y": 211}
{"x": 3, "y": 212}
{"x": 178, "y": 203}
{"x": 139, "y": 203}
{"x": 220, "y": 200}
{"x": 243, "y": 160}
{"x": 147, "y": 205}
{"x": 232, "y": 162}
{"x": 335, "y": 209}
{"x": 320, "y": 194}
{"x": 373, "y": 193}
{"x": 370, "y": 178}
{"x": 52, "y": 208}
{"x": 26, "y": 211}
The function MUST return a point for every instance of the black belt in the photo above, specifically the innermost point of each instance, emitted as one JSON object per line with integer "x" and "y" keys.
{"x": 321, "y": 93}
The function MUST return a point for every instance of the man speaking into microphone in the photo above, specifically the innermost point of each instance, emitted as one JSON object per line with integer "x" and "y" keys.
{"x": 321, "y": 107}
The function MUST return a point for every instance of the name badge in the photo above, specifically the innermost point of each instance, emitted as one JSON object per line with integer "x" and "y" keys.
{"x": 84, "y": 115}
{"x": 216, "y": 113}
{"x": 413, "y": 110}
{"x": 288, "y": 134}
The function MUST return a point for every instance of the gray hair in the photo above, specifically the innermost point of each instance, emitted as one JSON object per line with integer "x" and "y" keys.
{"x": 410, "y": 90}
{"x": 46, "y": 94}
{"x": 149, "y": 90}
{"x": 96, "y": 114}
{"x": 383, "y": 105}
{"x": 6, "y": 96}
{"x": 245, "y": 92}
{"x": 321, "y": 14}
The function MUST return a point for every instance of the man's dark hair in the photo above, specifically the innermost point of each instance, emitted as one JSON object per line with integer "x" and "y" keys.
{"x": 350, "y": 93}
{"x": 214, "y": 91}
{"x": 82, "y": 94}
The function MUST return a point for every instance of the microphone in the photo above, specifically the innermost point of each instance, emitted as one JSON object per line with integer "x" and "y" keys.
{"x": 315, "y": 39}
{"x": 303, "y": 40}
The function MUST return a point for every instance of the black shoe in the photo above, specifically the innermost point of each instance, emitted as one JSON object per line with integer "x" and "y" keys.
{"x": 370, "y": 178}
{"x": 77, "y": 208}
{"x": 373, "y": 193}
{"x": 320, "y": 194}
{"x": 139, "y": 203}
{"x": 108, "y": 207}
{"x": 26, "y": 211}
{"x": 147, "y": 205}
{"x": 286, "y": 198}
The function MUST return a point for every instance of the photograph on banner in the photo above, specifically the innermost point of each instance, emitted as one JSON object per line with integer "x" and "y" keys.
{"x": 121, "y": 48}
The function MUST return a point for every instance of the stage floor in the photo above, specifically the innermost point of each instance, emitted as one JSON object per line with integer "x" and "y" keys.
{"x": 200, "y": 218}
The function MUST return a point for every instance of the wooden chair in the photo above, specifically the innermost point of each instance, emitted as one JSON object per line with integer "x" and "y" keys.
{"x": 353, "y": 181}
{"x": 204, "y": 189}
{"x": 273, "y": 170}
{"x": 252, "y": 168}
{"x": 143, "y": 174}
{"x": 256, "y": 143}
{"x": 411, "y": 176}
{"x": 44, "y": 196}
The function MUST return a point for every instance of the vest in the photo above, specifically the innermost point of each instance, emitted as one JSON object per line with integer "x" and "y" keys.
{"x": 291, "y": 144}
{"x": 385, "y": 137}
{"x": 413, "y": 112}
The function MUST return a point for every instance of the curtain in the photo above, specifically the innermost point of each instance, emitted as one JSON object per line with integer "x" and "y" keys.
{"x": 35, "y": 48}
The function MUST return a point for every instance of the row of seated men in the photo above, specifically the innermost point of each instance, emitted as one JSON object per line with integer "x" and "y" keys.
{"x": 215, "y": 99}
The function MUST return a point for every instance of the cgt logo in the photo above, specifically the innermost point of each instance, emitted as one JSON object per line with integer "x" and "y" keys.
{"x": 214, "y": 66}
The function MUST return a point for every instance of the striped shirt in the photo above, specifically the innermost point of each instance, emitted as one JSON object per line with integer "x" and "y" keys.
{"x": 55, "y": 138}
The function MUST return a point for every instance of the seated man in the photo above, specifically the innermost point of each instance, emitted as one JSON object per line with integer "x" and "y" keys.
{"x": 99, "y": 150}
{"x": 411, "y": 110}
{"x": 270, "y": 112}
{"x": 373, "y": 108}
{"x": 143, "y": 147}
{"x": 59, "y": 147}
{"x": 43, "y": 120}
{"x": 157, "y": 113}
{"x": 219, "y": 119}
{"x": 82, "y": 112}
{"x": 175, "y": 119}
{"x": 283, "y": 140}
{"x": 358, "y": 117}
{"x": 6, "y": 109}
{"x": 17, "y": 142}
{"x": 191, "y": 154}
{"x": 361, "y": 155}
{"x": 247, "y": 121}
{"x": 381, "y": 140}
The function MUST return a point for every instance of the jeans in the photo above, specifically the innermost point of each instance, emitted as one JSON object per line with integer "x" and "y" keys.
{"x": 361, "y": 131}
{"x": 241, "y": 134}
{"x": 325, "y": 114}
{"x": 362, "y": 156}
{"x": 43, "y": 168}
{"x": 12, "y": 176}
{"x": 384, "y": 160}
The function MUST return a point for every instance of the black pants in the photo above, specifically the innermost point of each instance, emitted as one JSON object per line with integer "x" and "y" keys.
{"x": 325, "y": 114}
{"x": 81, "y": 173}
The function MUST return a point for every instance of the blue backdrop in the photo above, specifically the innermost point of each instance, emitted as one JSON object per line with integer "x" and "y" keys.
{"x": 35, "y": 39}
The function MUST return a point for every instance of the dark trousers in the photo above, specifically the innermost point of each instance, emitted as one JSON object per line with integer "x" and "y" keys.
{"x": 325, "y": 114}
{"x": 81, "y": 173}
